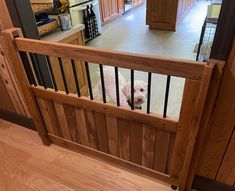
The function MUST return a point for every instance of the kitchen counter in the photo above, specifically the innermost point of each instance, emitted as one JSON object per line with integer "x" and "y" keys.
{"x": 58, "y": 35}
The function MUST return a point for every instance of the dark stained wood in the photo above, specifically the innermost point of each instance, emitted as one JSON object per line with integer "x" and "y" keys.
{"x": 221, "y": 123}
{"x": 124, "y": 139}
{"x": 226, "y": 172}
{"x": 100, "y": 123}
{"x": 149, "y": 135}
{"x": 136, "y": 134}
{"x": 206, "y": 184}
{"x": 170, "y": 153}
{"x": 225, "y": 30}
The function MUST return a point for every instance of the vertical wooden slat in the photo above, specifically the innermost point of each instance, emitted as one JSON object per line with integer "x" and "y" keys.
{"x": 100, "y": 123}
{"x": 91, "y": 129}
{"x": 53, "y": 118}
{"x": 149, "y": 134}
{"x": 81, "y": 123}
{"x": 170, "y": 153}
{"x": 190, "y": 95}
{"x": 112, "y": 130}
{"x": 136, "y": 134}
{"x": 72, "y": 124}
{"x": 124, "y": 138}
{"x": 161, "y": 150}
{"x": 45, "y": 115}
{"x": 62, "y": 120}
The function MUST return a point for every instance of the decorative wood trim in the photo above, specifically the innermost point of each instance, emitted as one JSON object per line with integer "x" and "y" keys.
{"x": 153, "y": 120}
{"x": 174, "y": 67}
{"x": 112, "y": 159}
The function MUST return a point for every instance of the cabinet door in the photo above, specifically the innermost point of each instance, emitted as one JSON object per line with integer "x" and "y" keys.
{"x": 105, "y": 10}
{"x": 114, "y": 7}
{"x": 76, "y": 39}
{"x": 121, "y": 6}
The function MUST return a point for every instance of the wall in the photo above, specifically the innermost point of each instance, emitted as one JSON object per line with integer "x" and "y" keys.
{"x": 11, "y": 96}
{"x": 217, "y": 159}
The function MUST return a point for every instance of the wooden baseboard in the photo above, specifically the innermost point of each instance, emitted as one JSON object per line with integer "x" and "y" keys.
{"x": 17, "y": 119}
{"x": 113, "y": 160}
{"x": 206, "y": 184}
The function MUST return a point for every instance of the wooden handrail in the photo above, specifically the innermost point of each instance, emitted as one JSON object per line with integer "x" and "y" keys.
{"x": 173, "y": 67}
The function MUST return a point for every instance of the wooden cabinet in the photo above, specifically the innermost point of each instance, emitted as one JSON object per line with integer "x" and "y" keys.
{"x": 166, "y": 14}
{"x": 76, "y": 39}
{"x": 109, "y": 9}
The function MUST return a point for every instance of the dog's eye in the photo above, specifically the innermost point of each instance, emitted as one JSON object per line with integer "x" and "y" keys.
{"x": 141, "y": 89}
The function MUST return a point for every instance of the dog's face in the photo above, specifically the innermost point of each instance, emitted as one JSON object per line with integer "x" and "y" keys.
{"x": 140, "y": 92}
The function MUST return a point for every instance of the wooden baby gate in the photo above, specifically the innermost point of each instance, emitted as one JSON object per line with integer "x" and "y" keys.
{"x": 160, "y": 147}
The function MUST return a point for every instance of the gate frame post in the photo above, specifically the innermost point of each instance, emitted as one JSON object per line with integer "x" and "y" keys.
{"x": 13, "y": 56}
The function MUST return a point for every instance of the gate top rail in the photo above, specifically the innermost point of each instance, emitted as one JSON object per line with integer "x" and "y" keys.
{"x": 166, "y": 66}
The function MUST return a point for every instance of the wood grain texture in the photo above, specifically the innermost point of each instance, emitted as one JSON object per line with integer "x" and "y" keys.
{"x": 136, "y": 134}
{"x": 81, "y": 123}
{"x": 14, "y": 57}
{"x": 91, "y": 129}
{"x": 170, "y": 153}
{"x": 161, "y": 151}
{"x": 188, "y": 105}
{"x": 173, "y": 67}
{"x": 114, "y": 160}
{"x": 53, "y": 118}
{"x": 112, "y": 131}
{"x": 226, "y": 172}
{"x": 168, "y": 124}
{"x": 149, "y": 135}
{"x": 72, "y": 123}
{"x": 185, "y": 183}
{"x": 100, "y": 123}
{"x": 124, "y": 139}
{"x": 208, "y": 111}
{"x": 59, "y": 108}
{"x": 27, "y": 165}
{"x": 220, "y": 128}
{"x": 45, "y": 114}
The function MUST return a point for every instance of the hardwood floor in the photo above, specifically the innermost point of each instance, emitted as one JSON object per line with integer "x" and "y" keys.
{"x": 27, "y": 165}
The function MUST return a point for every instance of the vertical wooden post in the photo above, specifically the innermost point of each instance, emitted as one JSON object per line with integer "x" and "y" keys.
{"x": 185, "y": 185}
{"x": 14, "y": 59}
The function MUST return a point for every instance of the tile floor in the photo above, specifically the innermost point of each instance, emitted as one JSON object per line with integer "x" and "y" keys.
{"x": 129, "y": 33}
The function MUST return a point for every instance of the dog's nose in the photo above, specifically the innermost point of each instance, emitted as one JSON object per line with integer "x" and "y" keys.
{"x": 139, "y": 99}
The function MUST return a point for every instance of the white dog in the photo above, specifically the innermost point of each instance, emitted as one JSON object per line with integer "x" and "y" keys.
{"x": 140, "y": 89}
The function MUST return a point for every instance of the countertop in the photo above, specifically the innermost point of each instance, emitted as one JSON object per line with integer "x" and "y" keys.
{"x": 59, "y": 35}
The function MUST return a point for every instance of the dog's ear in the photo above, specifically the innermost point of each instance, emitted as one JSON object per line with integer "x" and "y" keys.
{"x": 126, "y": 89}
